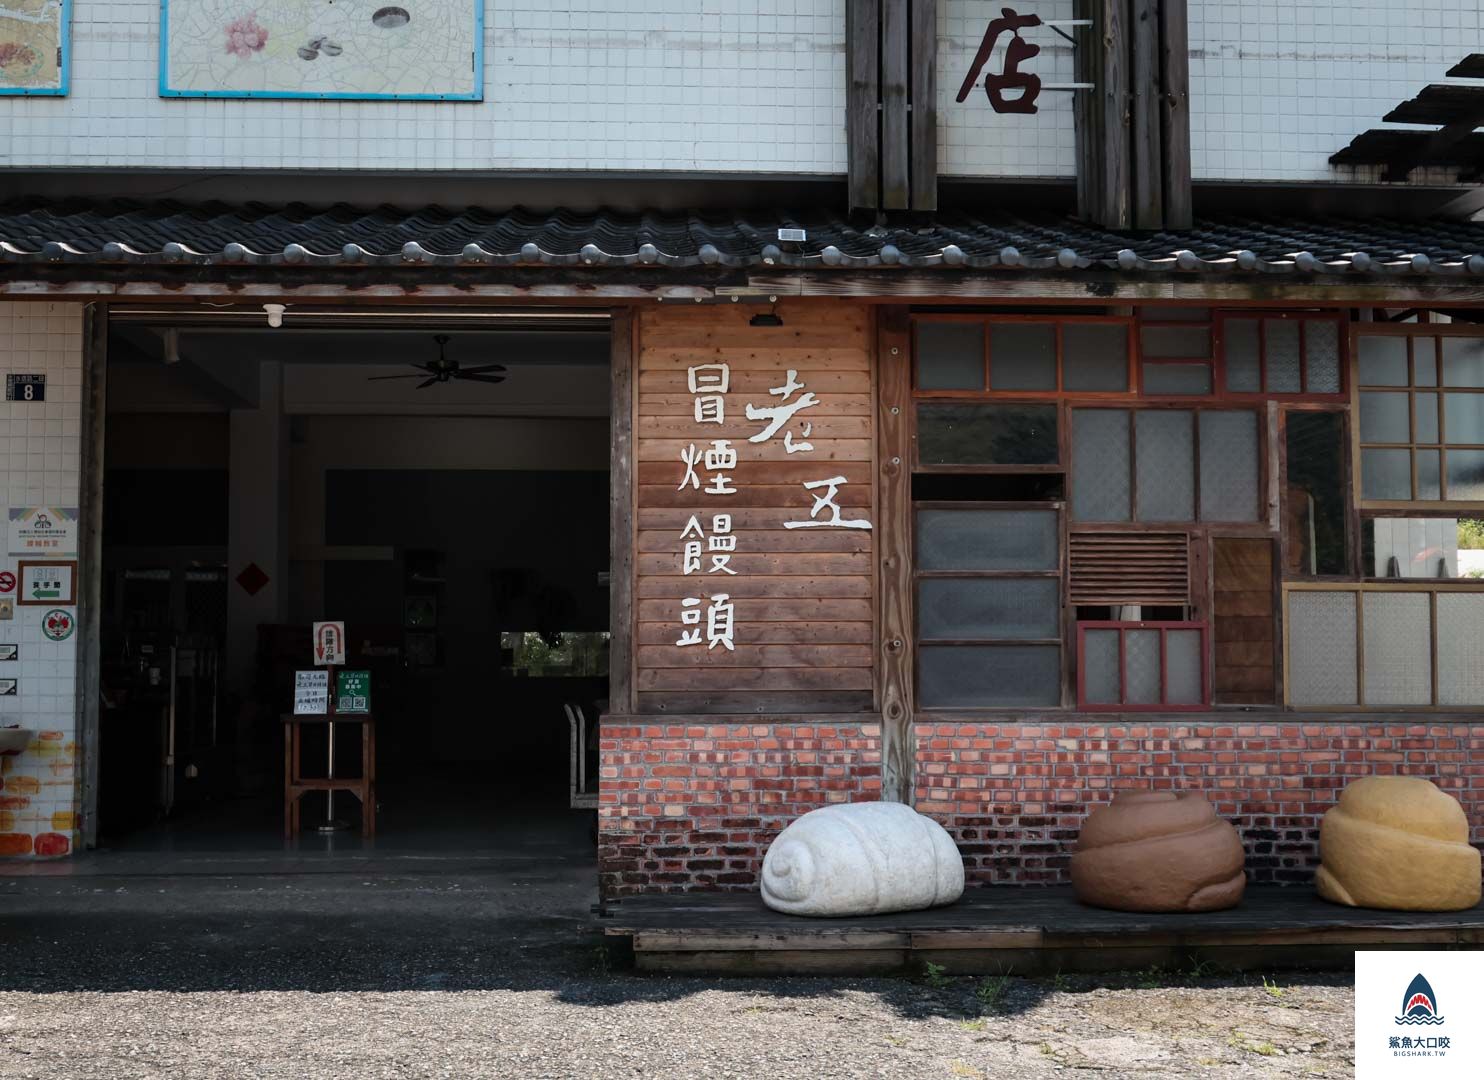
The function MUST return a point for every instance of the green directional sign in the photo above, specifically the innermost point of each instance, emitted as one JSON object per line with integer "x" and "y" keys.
{"x": 352, "y": 691}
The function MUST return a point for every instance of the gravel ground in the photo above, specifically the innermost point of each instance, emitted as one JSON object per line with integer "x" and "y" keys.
{"x": 426, "y": 974}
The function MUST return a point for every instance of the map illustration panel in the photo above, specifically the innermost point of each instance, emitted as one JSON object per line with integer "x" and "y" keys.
{"x": 33, "y": 46}
{"x": 413, "y": 49}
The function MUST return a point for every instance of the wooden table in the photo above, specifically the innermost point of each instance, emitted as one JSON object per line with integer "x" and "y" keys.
{"x": 296, "y": 784}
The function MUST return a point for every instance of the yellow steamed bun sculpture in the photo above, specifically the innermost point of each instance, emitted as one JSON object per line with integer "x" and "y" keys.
{"x": 1398, "y": 843}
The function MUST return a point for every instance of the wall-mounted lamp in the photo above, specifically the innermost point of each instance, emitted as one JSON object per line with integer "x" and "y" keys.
{"x": 767, "y": 318}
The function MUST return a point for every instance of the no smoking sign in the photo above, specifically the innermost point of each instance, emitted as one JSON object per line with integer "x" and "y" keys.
{"x": 7, "y": 581}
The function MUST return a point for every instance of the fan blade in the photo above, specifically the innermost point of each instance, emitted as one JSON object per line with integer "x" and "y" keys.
{"x": 428, "y": 383}
{"x": 482, "y": 369}
{"x": 379, "y": 378}
{"x": 491, "y": 379}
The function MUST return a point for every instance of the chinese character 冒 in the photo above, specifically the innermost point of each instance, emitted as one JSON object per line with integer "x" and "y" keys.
{"x": 832, "y": 486}
{"x": 1011, "y": 76}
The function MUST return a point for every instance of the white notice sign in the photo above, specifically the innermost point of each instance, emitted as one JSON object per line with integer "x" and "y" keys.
{"x": 311, "y": 693}
{"x": 329, "y": 643}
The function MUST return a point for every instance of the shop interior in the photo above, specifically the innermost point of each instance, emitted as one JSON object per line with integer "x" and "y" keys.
{"x": 439, "y": 485}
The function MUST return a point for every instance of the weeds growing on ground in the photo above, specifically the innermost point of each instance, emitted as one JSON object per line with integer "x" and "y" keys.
{"x": 991, "y": 991}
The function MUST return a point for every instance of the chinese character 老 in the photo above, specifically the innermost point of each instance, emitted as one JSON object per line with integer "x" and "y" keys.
{"x": 778, "y": 415}
{"x": 827, "y": 500}
{"x": 1010, "y": 77}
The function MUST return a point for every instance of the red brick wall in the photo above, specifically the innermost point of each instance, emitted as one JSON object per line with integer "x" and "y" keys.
{"x": 1014, "y": 795}
{"x": 695, "y": 805}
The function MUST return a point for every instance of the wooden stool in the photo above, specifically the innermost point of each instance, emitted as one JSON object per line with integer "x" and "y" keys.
{"x": 295, "y": 784}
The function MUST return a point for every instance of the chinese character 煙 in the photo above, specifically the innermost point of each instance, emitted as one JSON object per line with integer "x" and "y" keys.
{"x": 1011, "y": 77}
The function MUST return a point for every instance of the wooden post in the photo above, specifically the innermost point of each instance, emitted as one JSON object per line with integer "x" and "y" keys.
{"x": 895, "y": 126}
{"x": 1174, "y": 75}
{"x": 90, "y": 563}
{"x": 924, "y": 105}
{"x": 621, "y": 613}
{"x": 862, "y": 122}
{"x": 894, "y": 540}
{"x": 1145, "y": 116}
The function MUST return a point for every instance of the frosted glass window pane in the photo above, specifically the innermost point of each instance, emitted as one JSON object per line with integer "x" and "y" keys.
{"x": 1177, "y": 378}
{"x": 1165, "y": 459}
{"x": 1382, "y": 360}
{"x": 988, "y": 676}
{"x": 1176, "y": 314}
{"x": 1463, "y": 361}
{"x": 1022, "y": 356}
{"x": 954, "y": 609}
{"x": 1094, "y": 356}
{"x": 1383, "y": 418}
{"x": 986, "y": 434}
{"x": 1141, "y": 667}
{"x": 987, "y": 539}
{"x": 1283, "y": 355}
{"x": 1228, "y": 442}
{"x": 1398, "y": 649}
{"x": 1429, "y": 475}
{"x": 1464, "y": 416}
{"x": 1321, "y": 648}
{"x": 1183, "y": 667}
{"x": 1385, "y": 474}
{"x": 1100, "y": 667}
{"x": 1460, "y": 648}
{"x": 1100, "y": 474}
{"x": 1240, "y": 347}
{"x": 1466, "y": 475}
{"x": 950, "y": 356}
{"x": 1426, "y": 406}
{"x": 1322, "y": 355}
{"x": 1424, "y": 361}
{"x": 1177, "y": 342}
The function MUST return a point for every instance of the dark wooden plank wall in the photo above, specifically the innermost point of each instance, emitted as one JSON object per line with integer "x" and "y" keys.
{"x": 891, "y": 104}
{"x": 803, "y": 597}
{"x": 1242, "y": 624}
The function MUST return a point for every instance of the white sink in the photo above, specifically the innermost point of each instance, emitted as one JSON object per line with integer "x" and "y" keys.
{"x": 13, "y": 740}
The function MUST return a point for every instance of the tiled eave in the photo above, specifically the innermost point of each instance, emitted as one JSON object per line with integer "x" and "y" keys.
{"x": 299, "y": 238}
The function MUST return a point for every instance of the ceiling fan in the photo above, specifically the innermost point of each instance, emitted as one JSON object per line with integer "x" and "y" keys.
{"x": 445, "y": 370}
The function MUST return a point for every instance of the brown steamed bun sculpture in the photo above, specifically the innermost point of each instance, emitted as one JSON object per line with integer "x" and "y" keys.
{"x": 1397, "y": 843}
{"x": 1158, "y": 851}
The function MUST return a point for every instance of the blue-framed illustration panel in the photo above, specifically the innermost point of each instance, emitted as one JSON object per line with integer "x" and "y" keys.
{"x": 407, "y": 50}
{"x": 35, "y": 47}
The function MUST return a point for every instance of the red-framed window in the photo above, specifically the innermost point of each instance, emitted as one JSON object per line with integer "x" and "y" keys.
{"x": 1142, "y": 666}
{"x": 1293, "y": 355}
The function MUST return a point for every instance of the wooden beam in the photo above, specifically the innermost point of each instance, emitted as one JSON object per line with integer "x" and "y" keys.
{"x": 1174, "y": 50}
{"x": 896, "y": 147}
{"x": 924, "y": 95}
{"x": 621, "y": 613}
{"x": 862, "y": 115}
{"x": 894, "y": 542}
{"x": 1145, "y": 124}
{"x": 90, "y": 563}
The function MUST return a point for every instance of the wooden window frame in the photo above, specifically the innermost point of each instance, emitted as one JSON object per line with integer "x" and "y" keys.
{"x": 1257, "y": 526}
{"x": 1366, "y": 517}
{"x": 1350, "y": 464}
{"x": 1123, "y": 627}
{"x": 1058, "y": 574}
{"x": 1414, "y": 585}
{"x": 1343, "y": 344}
{"x": 1057, "y": 322}
{"x": 1208, "y": 324}
{"x": 1411, "y": 331}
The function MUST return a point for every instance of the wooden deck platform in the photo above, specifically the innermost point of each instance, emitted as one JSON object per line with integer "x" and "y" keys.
{"x": 1026, "y": 931}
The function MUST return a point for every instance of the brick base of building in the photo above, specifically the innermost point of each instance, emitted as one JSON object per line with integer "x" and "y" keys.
{"x": 694, "y": 806}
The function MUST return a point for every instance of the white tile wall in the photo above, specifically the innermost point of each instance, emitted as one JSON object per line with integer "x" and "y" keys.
{"x": 43, "y": 441}
{"x": 1417, "y": 544}
{"x": 726, "y": 85}
{"x": 1277, "y": 86}
{"x": 973, "y": 139}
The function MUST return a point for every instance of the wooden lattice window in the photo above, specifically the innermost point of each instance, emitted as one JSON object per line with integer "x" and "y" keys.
{"x": 1142, "y": 666}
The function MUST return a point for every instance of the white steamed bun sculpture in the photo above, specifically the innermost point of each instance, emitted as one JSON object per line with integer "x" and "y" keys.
{"x": 862, "y": 859}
